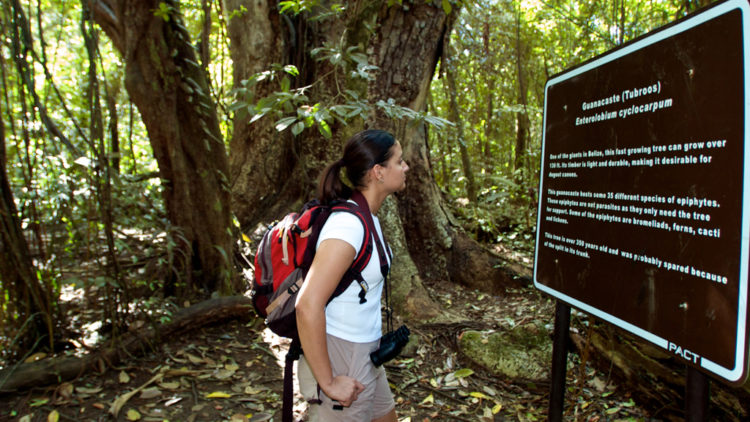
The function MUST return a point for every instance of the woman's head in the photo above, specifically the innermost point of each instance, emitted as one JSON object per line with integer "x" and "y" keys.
{"x": 362, "y": 152}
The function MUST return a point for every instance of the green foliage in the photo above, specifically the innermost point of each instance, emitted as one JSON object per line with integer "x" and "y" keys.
{"x": 491, "y": 52}
{"x": 291, "y": 106}
{"x": 164, "y": 11}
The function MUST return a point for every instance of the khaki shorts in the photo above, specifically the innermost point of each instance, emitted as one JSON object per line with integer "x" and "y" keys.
{"x": 350, "y": 359}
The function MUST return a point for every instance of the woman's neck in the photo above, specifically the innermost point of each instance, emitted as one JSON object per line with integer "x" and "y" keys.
{"x": 374, "y": 199}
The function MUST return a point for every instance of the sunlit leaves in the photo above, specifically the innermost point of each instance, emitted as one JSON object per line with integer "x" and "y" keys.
{"x": 163, "y": 11}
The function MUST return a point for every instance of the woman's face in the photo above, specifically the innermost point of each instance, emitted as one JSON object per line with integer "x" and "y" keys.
{"x": 394, "y": 170}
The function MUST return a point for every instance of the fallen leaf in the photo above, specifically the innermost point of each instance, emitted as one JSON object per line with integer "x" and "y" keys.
{"x": 223, "y": 374}
{"x": 25, "y": 418}
{"x": 35, "y": 357}
{"x": 251, "y": 390}
{"x": 173, "y": 385}
{"x": 133, "y": 415}
{"x": 124, "y": 377}
{"x": 464, "y": 372}
{"x": 478, "y": 395}
{"x": 38, "y": 402}
{"x": 172, "y": 401}
{"x": 429, "y": 400}
{"x": 99, "y": 406}
{"x": 497, "y": 408}
{"x": 218, "y": 395}
{"x": 65, "y": 390}
{"x": 88, "y": 390}
{"x": 194, "y": 359}
{"x": 120, "y": 401}
{"x": 150, "y": 393}
{"x": 612, "y": 410}
{"x": 53, "y": 416}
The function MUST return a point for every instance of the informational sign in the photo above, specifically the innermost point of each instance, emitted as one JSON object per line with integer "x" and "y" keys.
{"x": 644, "y": 211}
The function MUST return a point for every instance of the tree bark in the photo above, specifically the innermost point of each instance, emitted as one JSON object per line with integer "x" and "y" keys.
{"x": 261, "y": 160}
{"x": 171, "y": 92}
{"x": 29, "y": 312}
{"x": 272, "y": 172}
{"x": 451, "y": 92}
{"x": 522, "y": 116}
{"x": 407, "y": 46}
{"x": 275, "y": 172}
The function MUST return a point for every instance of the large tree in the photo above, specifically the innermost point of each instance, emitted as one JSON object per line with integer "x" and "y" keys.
{"x": 171, "y": 91}
{"x": 274, "y": 171}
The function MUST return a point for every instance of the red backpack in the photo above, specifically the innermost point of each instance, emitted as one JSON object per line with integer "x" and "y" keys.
{"x": 281, "y": 263}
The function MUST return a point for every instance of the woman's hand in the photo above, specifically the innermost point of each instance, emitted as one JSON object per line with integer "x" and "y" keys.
{"x": 343, "y": 389}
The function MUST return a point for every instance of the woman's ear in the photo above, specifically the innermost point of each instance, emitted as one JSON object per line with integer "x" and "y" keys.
{"x": 377, "y": 173}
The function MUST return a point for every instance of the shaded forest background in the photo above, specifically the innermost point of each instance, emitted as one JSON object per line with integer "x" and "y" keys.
{"x": 146, "y": 144}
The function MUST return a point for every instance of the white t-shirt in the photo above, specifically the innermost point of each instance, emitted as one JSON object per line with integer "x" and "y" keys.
{"x": 346, "y": 318}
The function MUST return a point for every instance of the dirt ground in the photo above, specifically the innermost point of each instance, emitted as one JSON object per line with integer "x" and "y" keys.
{"x": 233, "y": 372}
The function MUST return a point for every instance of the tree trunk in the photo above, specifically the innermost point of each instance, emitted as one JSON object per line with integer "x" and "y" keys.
{"x": 522, "y": 116}
{"x": 172, "y": 93}
{"x": 275, "y": 172}
{"x": 450, "y": 78}
{"x": 272, "y": 171}
{"x": 407, "y": 46}
{"x": 261, "y": 159}
{"x": 29, "y": 312}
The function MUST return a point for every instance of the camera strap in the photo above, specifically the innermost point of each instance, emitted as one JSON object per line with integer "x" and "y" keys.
{"x": 384, "y": 260}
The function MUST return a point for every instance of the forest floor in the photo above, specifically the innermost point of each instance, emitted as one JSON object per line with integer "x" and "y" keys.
{"x": 233, "y": 372}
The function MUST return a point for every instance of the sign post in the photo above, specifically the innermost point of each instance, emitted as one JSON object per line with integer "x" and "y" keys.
{"x": 644, "y": 210}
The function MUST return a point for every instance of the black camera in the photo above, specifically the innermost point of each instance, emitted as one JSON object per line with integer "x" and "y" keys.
{"x": 390, "y": 346}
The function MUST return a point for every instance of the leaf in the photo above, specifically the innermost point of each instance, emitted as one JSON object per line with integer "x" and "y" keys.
{"x": 124, "y": 377}
{"x": 54, "y": 416}
{"x": 464, "y": 372}
{"x": 194, "y": 359}
{"x": 169, "y": 385}
{"x": 65, "y": 390}
{"x": 119, "y": 402}
{"x": 479, "y": 395}
{"x": 36, "y": 356}
{"x": 218, "y": 395}
{"x": 298, "y": 128}
{"x": 38, "y": 402}
{"x": 612, "y": 410}
{"x": 291, "y": 69}
{"x": 133, "y": 415}
{"x": 447, "y": 8}
{"x": 496, "y": 408}
{"x": 324, "y": 129}
{"x": 428, "y": 400}
{"x": 284, "y": 123}
{"x": 150, "y": 393}
{"x": 223, "y": 374}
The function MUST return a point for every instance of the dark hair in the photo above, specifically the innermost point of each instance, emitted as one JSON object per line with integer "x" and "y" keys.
{"x": 361, "y": 153}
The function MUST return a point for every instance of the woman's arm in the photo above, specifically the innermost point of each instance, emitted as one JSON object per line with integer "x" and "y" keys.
{"x": 332, "y": 259}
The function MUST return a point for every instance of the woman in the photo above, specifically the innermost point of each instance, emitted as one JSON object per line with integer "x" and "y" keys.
{"x": 337, "y": 339}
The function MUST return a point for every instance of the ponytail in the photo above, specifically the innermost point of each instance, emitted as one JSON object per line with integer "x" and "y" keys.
{"x": 331, "y": 186}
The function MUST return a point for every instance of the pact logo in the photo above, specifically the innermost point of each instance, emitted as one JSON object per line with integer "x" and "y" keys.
{"x": 684, "y": 353}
